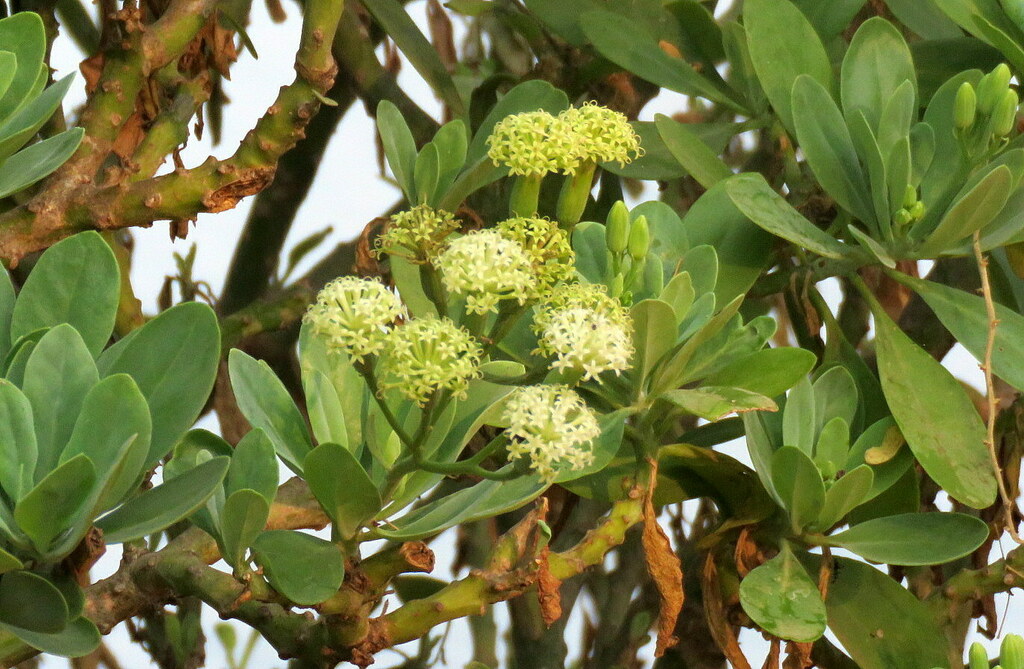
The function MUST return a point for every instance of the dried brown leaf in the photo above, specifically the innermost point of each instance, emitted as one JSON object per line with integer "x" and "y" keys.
{"x": 718, "y": 624}
{"x": 664, "y": 567}
{"x": 548, "y": 590}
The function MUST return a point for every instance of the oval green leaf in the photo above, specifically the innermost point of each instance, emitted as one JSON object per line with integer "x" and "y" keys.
{"x": 914, "y": 539}
{"x": 781, "y": 598}
{"x": 303, "y": 568}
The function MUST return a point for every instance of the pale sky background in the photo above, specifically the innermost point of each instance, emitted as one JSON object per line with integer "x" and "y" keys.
{"x": 346, "y": 194}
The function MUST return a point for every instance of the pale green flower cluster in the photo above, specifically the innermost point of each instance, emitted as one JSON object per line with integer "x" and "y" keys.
{"x": 551, "y": 426}
{"x": 425, "y": 355}
{"x": 547, "y": 246}
{"x": 604, "y": 136}
{"x": 585, "y": 330}
{"x": 486, "y": 267}
{"x": 417, "y": 233}
{"x": 354, "y": 315}
{"x": 537, "y": 143}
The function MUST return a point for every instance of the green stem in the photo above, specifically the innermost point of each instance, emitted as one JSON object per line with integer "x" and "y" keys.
{"x": 525, "y": 195}
{"x": 572, "y": 201}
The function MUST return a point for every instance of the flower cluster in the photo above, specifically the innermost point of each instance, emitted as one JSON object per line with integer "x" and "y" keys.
{"x": 604, "y": 135}
{"x": 486, "y": 267}
{"x": 429, "y": 354}
{"x": 547, "y": 246}
{"x": 354, "y": 315}
{"x": 536, "y": 143}
{"x": 585, "y": 330}
{"x": 552, "y": 426}
{"x": 417, "y": 233}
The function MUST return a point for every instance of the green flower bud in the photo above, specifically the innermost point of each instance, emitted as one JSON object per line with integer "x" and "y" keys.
{"x": 1015, "y": 10}
{"x": 639, "y": 238}
{"x": 617, "y": 230}
{"x": 901, "y": 217}
{"x": 966, "y": 106}
{"x": 909, "y": 197}
{"x": 1004, "y": 118}
{"x": 1011, "y": 652}
{"x": 991, "y": 88}
{"x": 916, "y": 210}
{"x": 977, "y": 657}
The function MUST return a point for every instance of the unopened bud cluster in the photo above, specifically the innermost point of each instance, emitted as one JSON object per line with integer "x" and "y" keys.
{"x": 911, "y": 209}
{"x": 628, "y": 243}
{"x": 991, "y": 108}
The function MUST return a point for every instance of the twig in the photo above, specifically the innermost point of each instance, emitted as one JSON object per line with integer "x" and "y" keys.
{"x": 990, "y": 391}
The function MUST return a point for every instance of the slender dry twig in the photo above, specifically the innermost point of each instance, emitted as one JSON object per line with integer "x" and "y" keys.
{"x": 990, "y": 391}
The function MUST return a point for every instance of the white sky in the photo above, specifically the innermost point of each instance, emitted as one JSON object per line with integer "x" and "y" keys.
{"x": 346, "y": 194}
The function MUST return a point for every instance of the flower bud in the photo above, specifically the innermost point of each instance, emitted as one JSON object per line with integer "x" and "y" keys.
{"x": 639, "y": 238}
{"x": 916, "y": 210}
{"x": 1004, "y": 118}
{"x": 966, "y": 106}
{"x": 909, "y": 197}
{"x": 1011, "y": 652}
{"x": 617, "y": 230}
{"x": 977, "y": 657}
{"x": 901, "y": 217}
{"x": 991, "y": 88}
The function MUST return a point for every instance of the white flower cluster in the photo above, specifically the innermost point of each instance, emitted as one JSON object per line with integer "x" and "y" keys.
{"x": 585, "y": 330}
{"x": 429, "y": 354}
{"x": 551, "y": 426}
{"x": 354, "y": 315}
{"x": 486, "y": 267}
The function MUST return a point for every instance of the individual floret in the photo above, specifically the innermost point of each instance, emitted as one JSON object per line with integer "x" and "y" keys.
{"x": 547, "y": 246}
{"x": 417, "y": 233}
{"x": 354, "y": 315}
{"x": 534, "y": 144}
{"x": 551, "y": 426}
{"x": 604, "y": 135}
{"x": 425, "y": 355}
{"x": 487, "y": 267}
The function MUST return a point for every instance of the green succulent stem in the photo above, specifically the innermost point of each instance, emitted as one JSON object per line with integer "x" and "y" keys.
{"x": 525, "y": 195}
{"x": 572, "y": 201}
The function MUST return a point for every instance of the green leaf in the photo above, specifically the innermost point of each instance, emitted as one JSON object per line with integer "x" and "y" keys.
{"x": 78, "y": 638}
{"x": 164, "y": 505}
{"x": 8, "y": 562}
{"x": 783, "y": 45}
{"x": 828, "y": 147}
{"x": 31, "y": 164}
{"x": 451, "y": 143}
{"x": 17, "y": 357}
{"x": 782, "y": 599}
{"x": 743, "y": 249}
{"x": 253, "y": 466}
{"x": 832, "y": 447}
{"x": 835, "y": 396}
{"x": 799, "y": 486}
{"x": 654, "y": 328}
{"x": 113, "y": 431}
{"x": 716, "y": 402}
{"x": 173, "y": 359}
{"x": 50, "y": 508}
{"x": 924, "y": 18}
{"x": 693, "y": 154}
{"x": 830, "y": 17}
{"x": 755, "y": 198}
{"x": 242, "y": 520}
{"x": 848, "y": 492}
{"x": 76, "y": 281}
{"x": 879, "y": 622}
{"x": 914, "y": 539}
{"x": 265, "y": 402}
{"x": 876, "y": 64}
{"x": 303, "y": 568}
{"x": 23, "y": 35}
{"x": 679, "y": 293}
{"x": 937, "y": 418}
{"x": 19, "y": 129}
{"x": 425, "y": 174}
{"x": 18, "y": 450}
{"x": 770, "y": 372}
{"x": 342, "y": 487}
{"x": 7, "y": 299}
{"x": 799, "y": 422}
{"x": 971, "y": 212}
{"x": 399, "y": 146}
{"x": 393, "y": 18}
{"x": 58, "y": 376}
{"x": 965, "y": 316}
{"x": 619, "y": 39}
{"x": 31, "y": 602}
